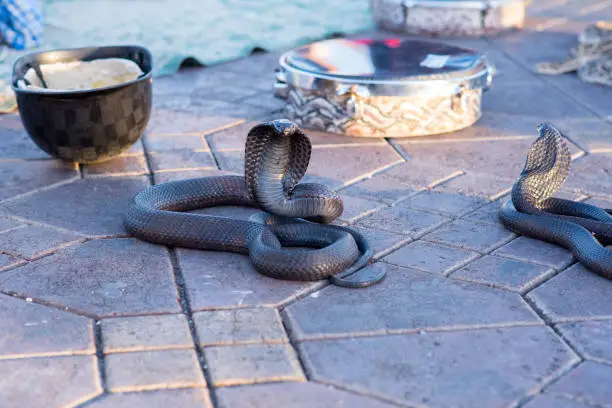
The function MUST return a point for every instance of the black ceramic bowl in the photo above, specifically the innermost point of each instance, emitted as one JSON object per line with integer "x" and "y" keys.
{"x": 86, "y": 126}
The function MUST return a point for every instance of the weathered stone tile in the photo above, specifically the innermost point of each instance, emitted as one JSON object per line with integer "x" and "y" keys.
{"x": 240, "y": 326}
{"x": 434, "y": 302}
{"x": 431, "y": 364}
{"x": 527, "y": 100}
{"x": 232, "y": 160}
{"x": 171, "y": 122}
{"x": 48, "y": 382}
{"x": 589, "y": 382}
{"x": 63, "y": 206}
{"x": 593, "y": 96}
{"x": 253, "y": 363}
{"x": 19, "y": 177}
{"x": 162, "y": 143}
{"x": 443, "y": 202}
{"x": 497, "y": 158}
{"x": 380, "y": 188}
{"x": 554, "y": 401}
{"x": 508, "y": 72}
{"x": 592, "y": 174}
{"x": 355, "y": 208}
{"x": 295, "y": 395}
{"x": 209, "y": 111}
{"x": 31, "y": 241}
{"x": 475, "y": 184}
{"x": 102, "y": 278}
{"x": 430, "y": 257}
{"x": 16, "y": 144}
{"x": 119, "y": 166}
{"x": 591, "y": 133}
{"x": 403, "y": 220}
{"x": 265, "y": 100}
{"x": 417, "y": 174}
{"x": 471, "y": 235}
{"x": 145, "y": 333}
{"x": 165, "y": 176}
{"x": 184, "y": 398}
{"x": 149, "y": 370}
{"x": 340, "y": 165}
{"x": 381, "y": 241}
{"x": 7, "y": 261}
{"x": 222, "y": 279}
{"x": 29, "y": 329}
{"x": 488, "y": 213}
{"x": 504, "y": 273}
{"x": 181, "y": 159}
{"x": 532, "y": 250}
{"x": 574, "y": 293}
{"x": 7, "y": 224}
{"x": 599, "y": 202}
{"x": 591, "y": 339}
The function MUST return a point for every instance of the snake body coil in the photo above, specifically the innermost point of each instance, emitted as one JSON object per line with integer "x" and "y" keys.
{"x": 277, "y": 154}
{"x": 582, "y": 228}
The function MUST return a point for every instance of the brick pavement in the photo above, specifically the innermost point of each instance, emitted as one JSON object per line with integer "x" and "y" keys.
{"x": 470, "y": 315}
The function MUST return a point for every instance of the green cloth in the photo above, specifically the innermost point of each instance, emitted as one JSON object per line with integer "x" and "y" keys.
{"x": 209, "y": 31}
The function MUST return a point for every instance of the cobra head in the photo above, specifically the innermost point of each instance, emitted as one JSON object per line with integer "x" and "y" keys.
{"x": 546, "y": 168}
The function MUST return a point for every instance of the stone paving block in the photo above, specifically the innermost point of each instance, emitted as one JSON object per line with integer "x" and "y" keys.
{"x": 231, "y": 160}
{"x": 443, "y": 202}
{"x": 592, "y": 174}
{"x": 591, "y": 339}
{"x": 28, "y": 329}
{"x": 19, "y": 177}
{"x": 341, "y": 165}
{"x": 162, "y": 143}
{"x": 183, "y": 398}
{"x": 171, "y": 122}
{"x": 265, "y": 100}
{"x": 504, "y": 273}
{"x": 223, "y": 279}
{"x": 403, "y": 220}
{"x": 479, "y": 185}
{"x": 591, "y": 133}
{"x": 471, "y": 235}
{"x": 589, "y": 382}
{"x": 240, "y": 326}
{"x": 526, "y": 100}
{"x": 224, "y": 113}
{"x": 418, "y": 174}
{"x": 454, "y": 369}
{"x": 7, "y": 261}
{"x": 165, "y": 176}
{"x": 145, "y": 333}
{"x": 102, "y": 277}
{"x": 31, "y": 241}
{"x": 48, "y": 382}
{"x": 554, "y": 401}
{"x": 381, "y": 241}
{"x": 425, "y": 300}
{"x": 149, "y": 370}
{"x": 120, "y": 166}
{"x": 181, "y": 159}
{"x": 430, "y": 257}
{"x": 16, "y": 144}
{"x": 575, "y": 293}
{"x": 488, "y": 213}
{"x": 252, "y": 363}
{"x": 355, "y": 208}
{"x": 532, "y": 250}
{"x": 380, "y": 188}
{"x": 8, "y": 224}
{"x": 294, "y": 395}
{"x": 63, "y": 206}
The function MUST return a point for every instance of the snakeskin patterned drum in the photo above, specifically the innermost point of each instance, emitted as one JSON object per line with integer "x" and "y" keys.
{"x": 382, "y": 88}
{"x": 449, "y": 17}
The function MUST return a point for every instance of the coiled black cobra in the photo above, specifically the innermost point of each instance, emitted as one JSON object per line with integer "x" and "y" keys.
{"x": 582, "y": 228}
{"x": 277, "y": 154}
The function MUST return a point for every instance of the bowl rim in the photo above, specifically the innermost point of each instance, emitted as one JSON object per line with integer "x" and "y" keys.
{"x": 79, "y": 92}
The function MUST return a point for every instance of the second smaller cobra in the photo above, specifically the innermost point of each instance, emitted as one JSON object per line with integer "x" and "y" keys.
{"x": 582, "y": 228}
{"x": 276, "y": 158}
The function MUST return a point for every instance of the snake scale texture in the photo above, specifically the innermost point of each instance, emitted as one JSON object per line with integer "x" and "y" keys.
{"x": 277, "y": 154}
{"x": 582, "y": 228}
